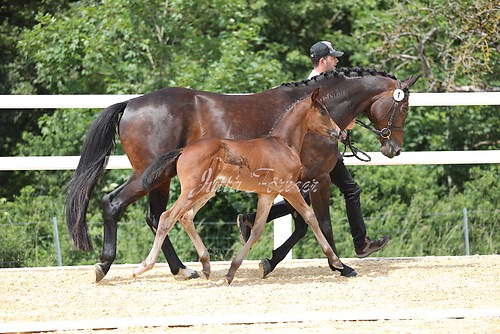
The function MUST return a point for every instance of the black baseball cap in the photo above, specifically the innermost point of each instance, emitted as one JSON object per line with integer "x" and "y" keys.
{"x": 322, "y": 49}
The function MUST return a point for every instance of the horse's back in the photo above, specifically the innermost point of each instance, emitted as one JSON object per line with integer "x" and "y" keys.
{"x": 158, "y": 122}
{"x": 170, "y": 118}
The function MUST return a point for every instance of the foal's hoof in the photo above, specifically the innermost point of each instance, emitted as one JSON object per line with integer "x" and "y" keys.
{"x": 264, "y": 268}
{"x": 99, "y": 273}
{"x": 229, "y": 279}
{"x": 206, "y": 274}
{"x": 187, "y": 274}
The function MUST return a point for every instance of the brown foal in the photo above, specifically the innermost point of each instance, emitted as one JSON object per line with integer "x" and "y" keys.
{"x": 267, "y": 166}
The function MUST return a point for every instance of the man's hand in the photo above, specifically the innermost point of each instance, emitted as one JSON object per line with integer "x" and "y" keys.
{"x": 343, "y": 136}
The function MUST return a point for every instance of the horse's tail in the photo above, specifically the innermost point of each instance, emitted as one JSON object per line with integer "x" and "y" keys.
{"x": 99, "y": 143}
{"x": 164, "y": 167}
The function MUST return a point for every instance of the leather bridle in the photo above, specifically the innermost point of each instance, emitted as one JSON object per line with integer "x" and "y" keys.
{"x": 387, "y": 131}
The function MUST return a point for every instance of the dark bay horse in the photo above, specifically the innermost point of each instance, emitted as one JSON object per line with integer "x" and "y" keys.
{"x": 269, "y": 166}
{"x": 156, "y": 123}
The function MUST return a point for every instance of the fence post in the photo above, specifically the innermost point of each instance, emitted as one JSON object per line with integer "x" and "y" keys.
{"x": 56, "y": 239}
{"x": 466, "y": 232}
{"x": 282, "y": 230}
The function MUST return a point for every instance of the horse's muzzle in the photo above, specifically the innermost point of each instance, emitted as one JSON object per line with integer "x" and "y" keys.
{"x": 390, "y": 149}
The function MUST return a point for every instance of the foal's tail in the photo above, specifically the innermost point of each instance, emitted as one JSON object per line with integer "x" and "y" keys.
{"x": 163, "y": 168}
{"x": 99, "y": 143}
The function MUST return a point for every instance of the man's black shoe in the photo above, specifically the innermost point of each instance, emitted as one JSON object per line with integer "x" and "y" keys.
{"x": 372, "y": 246}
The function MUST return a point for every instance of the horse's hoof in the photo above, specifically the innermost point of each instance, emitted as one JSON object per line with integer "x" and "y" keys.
{"x": 187, "y": 274}
{"x": 348, "y": 272}
{"x": 264, "y": 268}
{"x": 99, "y": 273}
{"x": 345, "y": 272}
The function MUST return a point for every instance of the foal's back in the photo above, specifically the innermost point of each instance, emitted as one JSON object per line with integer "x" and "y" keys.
{"x": 250, "y": 165}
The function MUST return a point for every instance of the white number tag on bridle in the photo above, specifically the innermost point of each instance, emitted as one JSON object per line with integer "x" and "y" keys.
{"x": 398, "y": 95}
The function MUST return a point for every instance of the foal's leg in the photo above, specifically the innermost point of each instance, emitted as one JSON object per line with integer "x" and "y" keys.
{"x": 320, "y": 197}
{"x": 297, "y": 201}
{"x": 263, "y": 206}
{"x": 164, "y": 226}
{"x": 158, "y": 199}
{"x": 167, "y": 221}
{"x": 187, "y": 222}
{"x": 266, "y": 266}
{"x": 320, "y": 202}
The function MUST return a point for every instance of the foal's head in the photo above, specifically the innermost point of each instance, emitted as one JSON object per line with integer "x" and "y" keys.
{"x": 318, "y": 117}
{"x": 388, "y": 114}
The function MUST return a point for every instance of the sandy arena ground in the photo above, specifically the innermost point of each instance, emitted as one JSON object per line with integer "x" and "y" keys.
{"x": 389, "y": 295}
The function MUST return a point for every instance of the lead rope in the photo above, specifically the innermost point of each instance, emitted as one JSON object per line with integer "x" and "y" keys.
{"x": 355, "y": 151}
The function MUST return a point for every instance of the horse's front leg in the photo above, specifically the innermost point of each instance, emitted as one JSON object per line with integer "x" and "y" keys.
{"x": 265, "y": 201}
{"x": 320, "y": 199}
{"x": 158, "y": 199}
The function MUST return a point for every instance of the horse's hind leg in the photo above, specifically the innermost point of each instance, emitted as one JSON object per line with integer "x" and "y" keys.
{"x": 158, "y": 199}
{"x": 188, "y": 224}
{"x": 295, "y": 199}
{"x": 113, "y": 205}
{"x": 263, "y": 206}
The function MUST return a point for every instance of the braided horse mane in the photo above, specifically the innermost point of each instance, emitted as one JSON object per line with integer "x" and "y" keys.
{"x": 348, "y": 72}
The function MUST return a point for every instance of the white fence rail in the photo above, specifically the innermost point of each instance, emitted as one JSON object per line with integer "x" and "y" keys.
{"x": 121, "y": 162}
{"x": 282, "y": 228}
{"x": 378, "y": 159}
{"x": 102, "y": 101}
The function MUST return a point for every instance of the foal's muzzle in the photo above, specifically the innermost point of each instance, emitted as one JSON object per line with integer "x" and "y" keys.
{"x": 334, "y": 135}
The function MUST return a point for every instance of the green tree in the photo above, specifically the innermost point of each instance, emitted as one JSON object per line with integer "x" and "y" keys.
{"x": 17, "y": 16}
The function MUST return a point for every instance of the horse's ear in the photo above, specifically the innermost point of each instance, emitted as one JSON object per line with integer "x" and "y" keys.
{"x": 408, "y": 82}
{"x": 314, "y": 94}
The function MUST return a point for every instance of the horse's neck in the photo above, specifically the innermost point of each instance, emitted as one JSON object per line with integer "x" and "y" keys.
{"x": 343, "y": 117}
{"x": 346, "y": 98}
{"x": 344, "y": 108}
{"x": 292, "y": 128}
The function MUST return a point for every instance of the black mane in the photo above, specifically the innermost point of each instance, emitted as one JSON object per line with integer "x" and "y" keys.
{"x": 348, "y": 72}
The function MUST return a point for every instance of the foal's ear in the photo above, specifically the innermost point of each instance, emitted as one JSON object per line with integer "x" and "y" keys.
{"x": 408, "y": 82}
{"x": 314, "y": 94}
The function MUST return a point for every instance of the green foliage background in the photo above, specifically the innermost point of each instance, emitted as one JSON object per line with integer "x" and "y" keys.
{"x": 235, "y": 46}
